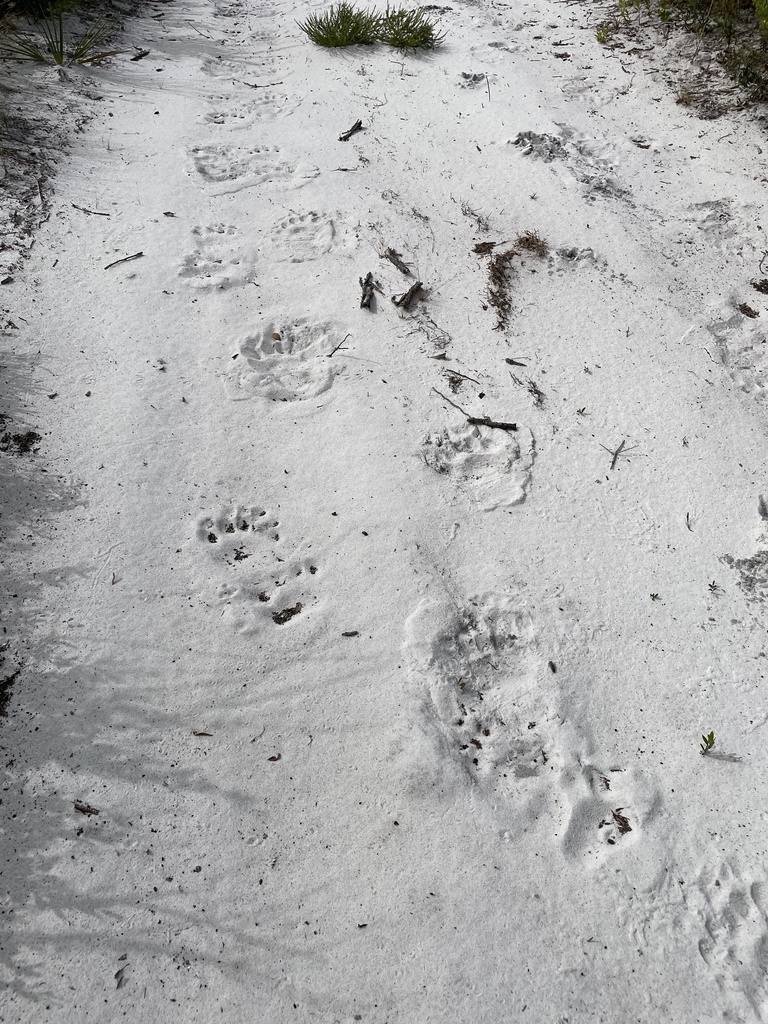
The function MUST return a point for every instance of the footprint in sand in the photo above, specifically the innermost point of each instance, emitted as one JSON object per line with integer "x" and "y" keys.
{"x": 607, "y": 810}
{"x": 265, "y": 584}
{"x": 266, "y": 103}
{"x": 472, "y": 673}
{"x": 251, "y": 166}
{"x": 753, "y": 569}
{"x": 220, "y": 67}
{"x": 284, "y": 362}
{"x": 283, "y": 594}
{"x": 213, "y": 264}
{"x": 740, "y": 339}
{"x": 492, "y": 467}
{"x": 300, "y": 237}
{"x": 732, "y": 916}
{"x": 230, "y": 528}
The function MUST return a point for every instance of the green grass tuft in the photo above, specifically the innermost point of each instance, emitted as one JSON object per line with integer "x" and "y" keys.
{"x": 342, "y": 25}
{"x": 409, "y": 29}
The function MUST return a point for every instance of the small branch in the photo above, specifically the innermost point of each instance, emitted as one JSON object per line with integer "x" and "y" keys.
{"x": 515, "y": 362}
{"x": 457, "y": 374}
{"x": 335, "y": 350}
{"x": 347, "y": 135}
{"x": 368, "y": 285}
{"x": 486, "y": 421}
{"x": 269, "y": 85}
{"x": 480, "y": 421}
{"x": 621, "y": 450}
{"x": 404, "y": 301}
{"x": 140, "y": 55}
{"x": 94, "y": 213}
{"x": 488, "y": 83}
{"x": 125, "y": 259}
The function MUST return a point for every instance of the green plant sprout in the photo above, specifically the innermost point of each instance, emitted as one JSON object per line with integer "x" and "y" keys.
{"x": 707, "y": 743}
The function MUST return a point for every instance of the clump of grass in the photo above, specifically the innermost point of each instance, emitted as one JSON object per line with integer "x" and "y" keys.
{"x": 50, "y": 45}
{"x": 734, "y": 32}
{"x": 409, "y": 29}
{"x": 342, "y": 25}
{"x": 532, "y": 242}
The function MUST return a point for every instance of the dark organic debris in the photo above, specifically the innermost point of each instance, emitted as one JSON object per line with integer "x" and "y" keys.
{"x": 484, "y": 248}
{"x": 286, "y": 614}
{"x": 368, "y": 285}
{"x": 19, "y": 444}
{"x": 396, "y": 258}
{"x": 499, "y": 270}
{"x": 748, "y": 311}
{"x": 347, "y": 135}
{"x": 5, "y": 691}
{"x": 403, "y": 301}
{"x": 85, "y": 808}
{"x": 622, "y": 822}
{"x": 761, "y": 286}
{"x": 351, "y": 632}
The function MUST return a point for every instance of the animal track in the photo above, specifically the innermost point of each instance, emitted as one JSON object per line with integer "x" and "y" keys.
{"x": 266, "y": 103}
{"x": 277, "y": 596}
{"x": 285, "y": 363}
{"x": 213, "y": 264}
{"x": 231, "y": 527}
{"x": 264, "y": 583}
{"x": 301, "y": 237}
{"x": 473, "y": 669}
{"x": 253, "y": 166}
{"x": 488, "y": 464}
{"x": 219, "y": 67}
{"x": 743, "y": 349}
{"x": 734, "y": 935}
{"x": 608, "y": 809}
{"x": 590, "y": 161}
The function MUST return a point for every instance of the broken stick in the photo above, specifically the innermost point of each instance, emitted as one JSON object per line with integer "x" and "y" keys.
{"x": 347, "y": 135}
{"x": 479, "y": 421}
{"x": 403, "y": 301}
{"x": 368, "y": 285}
{"x": 125, "y": 259}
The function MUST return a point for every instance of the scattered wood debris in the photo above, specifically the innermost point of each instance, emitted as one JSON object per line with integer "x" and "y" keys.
{"x": 484, "y": 248}
{"x": 403, "y": 301}
{"x": 761, "y": 286}
{"x": 498, "y": 286}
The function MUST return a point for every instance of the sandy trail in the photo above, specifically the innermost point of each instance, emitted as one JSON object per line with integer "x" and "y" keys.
{"x": 387, "y": 716}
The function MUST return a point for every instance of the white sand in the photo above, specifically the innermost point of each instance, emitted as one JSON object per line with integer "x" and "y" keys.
{"x": 488, "y": 804}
